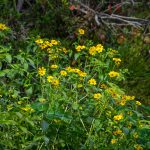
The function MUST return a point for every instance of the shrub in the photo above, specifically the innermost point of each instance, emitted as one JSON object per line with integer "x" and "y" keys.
{"x": 70, "y": 98}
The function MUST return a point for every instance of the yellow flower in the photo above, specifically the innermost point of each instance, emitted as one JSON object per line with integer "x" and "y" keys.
{"x": 27, "y": 108}
{"x": 81, "y": 31}
{"x": 82, "y": 74}
{"x": 138, "y": 103}
{"x": 55, "y": 82}
{"x": 113, "y": 141}
{"x": 138, "y": 147}
{"x": 113, "y": 74}
{"x": 99, "y": 48}
{"x": 41, "y": 71}
{"x": 69, "y": 69}
{"x": 79, "y": 48}
{"x": 97, "y": 95}
{"x": 39, "y": 41}
{"x": 92, "y": 81}
{"x": 118, "y": 117}
{"x": 3, "y": 27}
{"x": 43, "y": 46}
{"x": 63, "y": 73}
{"x": 117, "y": 132}
{"x": 92, "y": 50}
{"x": 54, "y": 66}
{"x": 75, "y": 70}
{"x": 122, "y": 102}
{"x": 54, "y": 42}
{"x": 48, "y": 44}
{"x": 117, "y": 60}
{"x": 103, "y": 86}
{"x": 64, "y": 50}
{"x": 50, "y": 78}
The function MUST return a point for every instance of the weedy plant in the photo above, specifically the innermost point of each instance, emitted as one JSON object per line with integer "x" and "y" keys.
{"x": 73, "y": 100}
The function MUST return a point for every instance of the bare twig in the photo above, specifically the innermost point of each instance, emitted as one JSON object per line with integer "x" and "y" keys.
{"x": 113, "y": 19}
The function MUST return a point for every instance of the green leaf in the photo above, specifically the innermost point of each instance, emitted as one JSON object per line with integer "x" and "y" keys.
{"x": 19, "y": 115}
{"x": 31, "y": 62}
{"x": 8, "y": 58}
{"x": 29, "y": 91}
{"x": 59, "y": 116}
{"x": 76, "y": 56}
{"x": 8, "y": 122}
{"x": 39, "y": 106}
{"x": 23, "y": 129}
{"x": 3, "y": 72}
{"x": 75, "y": 106}
{"x": 25, "y": 66}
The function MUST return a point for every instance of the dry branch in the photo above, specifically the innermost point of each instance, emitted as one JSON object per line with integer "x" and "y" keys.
{"x": 111, "y": 19}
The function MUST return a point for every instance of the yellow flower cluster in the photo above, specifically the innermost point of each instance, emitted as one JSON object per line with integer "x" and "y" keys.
{"x": 54, "y": 66}
{"x": 92, "y": 81}
{"x": 46, "y": 44}
{"x": 41, "y": 71}
{"x": 138, "y": 103}
{"x": 81, "y": 31}
{"x": 53, "y": 47}
{"x": 63, "y": 73}
{"x": 78, "y": 71}
{"x": 53, "y": 80}
{"x": 126, "y": 98}
{"x": 79, "y": 48}
{"x": 113, "y": 74}
{"x": 117, "y": 132}
{"x": 27, "y": 108}
{"x": 117, "y": 61}
{"x": 96, "y": 49}
{"x": 97, "y": 95}
{"x": 118, "y": 117}
{"x": 3, "y": 27}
